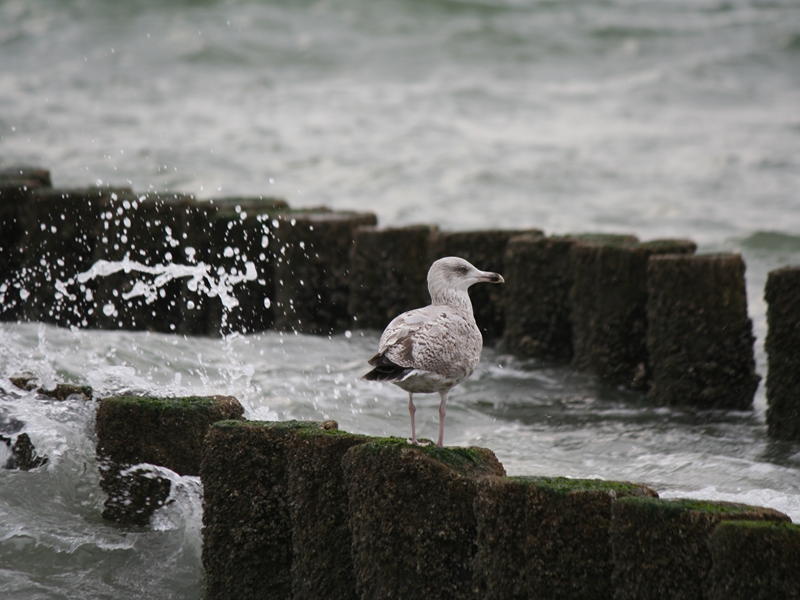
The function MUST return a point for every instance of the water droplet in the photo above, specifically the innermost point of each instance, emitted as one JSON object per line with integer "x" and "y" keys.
{"x": 348, "y": 334}
{"x": 109, "y": 309}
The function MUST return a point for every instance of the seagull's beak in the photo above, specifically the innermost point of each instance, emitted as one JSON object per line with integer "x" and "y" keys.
{"x": 488, "y": 277}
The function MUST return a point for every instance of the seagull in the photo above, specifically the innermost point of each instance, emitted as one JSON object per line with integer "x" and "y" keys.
{"x": 433, "y": 349}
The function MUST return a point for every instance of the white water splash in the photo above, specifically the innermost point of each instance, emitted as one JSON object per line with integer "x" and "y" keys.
{"x": 219, "y": 283}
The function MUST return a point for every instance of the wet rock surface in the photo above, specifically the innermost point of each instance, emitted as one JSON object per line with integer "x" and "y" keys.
{"x": 700, "y": 337}
{"x": 167, "y": 432}
{"x": 661, "y": 549}
{"x": 411, "y": 510}
{"x": 388, "y": 273}
{"x": 782, "y": 294}
{"x": 609, "y": 306}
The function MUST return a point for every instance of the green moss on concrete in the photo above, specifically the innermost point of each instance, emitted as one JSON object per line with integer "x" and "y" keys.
{"x": 411, "y": 511}
{"x": 661, "y": 546}
{"x": 567, "y": 485}
{"x": 168, "y": 432}
{"x": 754, "y": 560}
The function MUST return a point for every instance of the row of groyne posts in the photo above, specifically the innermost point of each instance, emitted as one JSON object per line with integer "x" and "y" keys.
{"x": 303, "y": 510}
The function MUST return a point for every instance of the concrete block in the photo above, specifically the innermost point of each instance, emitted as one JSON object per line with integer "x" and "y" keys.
{"x": 16, "y": 188}
{"x": 60, "y": 242}
{"x": 411, "y": 512}
{"x": 486, "y": 250}
{"x": 167, "y": 432}
{"x": 661, "y": 547}
{"x": 700, "y": 339}
{"x": 322, "y": 564}
{"x": 754, "y": 560}
{"x": 388, "y": 273}
{"x": 247, "y": 508}
{"x": 546, "y": 537}
{"x": 609, "y": 306}
{"x": 782, "y": 294}
{"x": 152, "y": 230}
{"x": 312, "y": 269}
{"x": 240, "y": 231}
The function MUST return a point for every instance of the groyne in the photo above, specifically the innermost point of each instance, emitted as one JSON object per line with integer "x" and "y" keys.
{"x": 634, "y": 313}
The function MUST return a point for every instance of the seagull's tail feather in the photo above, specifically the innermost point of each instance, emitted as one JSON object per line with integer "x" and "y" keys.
{"x": 385, "y": 370}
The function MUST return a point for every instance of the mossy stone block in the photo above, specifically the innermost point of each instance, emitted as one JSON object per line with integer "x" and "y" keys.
{"x": 322, "y": 565}
{"x": 60, "y": 242}
{"x": 389, "y": 267}
{"x": 536, "y": 294}
{"x": 486, "y": 250}
{"x": 412, "y": 517}
{"x": 700, "y": 338}
{"x": 240, "y": 231}
{"x": 247, "y": 509}
{"x": 312, "y": 269}
{"x": 167, "y": 432}
{"x": 609, "y": 306}
{"x": 154, "y": 230}
{"x": 16, "y": 189}
{"x": 755, "y": 560}
{"x": 546, "y": 537}
{"x": 782, "y": 294}
{"x": 661, "y": 549}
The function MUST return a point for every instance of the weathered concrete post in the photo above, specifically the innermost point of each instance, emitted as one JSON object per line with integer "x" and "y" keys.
{"x": 754, "y": 560}
{"x": 388, "y": 270}
{"x": 609, "y": 307}
{"x": 16, "y": 188}
{"x": 167, "y": 432}
{"x": 240, "y": 232}
{"x": 539, "y": 278}
{"x": 661, "y": 546}
{"x": 486, "y": 250}
{"x": 700, "y": 339}
{"x": 546, "y": 537}
{"x": 312, "y": 267}
{"x": 153, "y": 230}
{"x": 782, "y": 294}
{"x": 411, "y": 512}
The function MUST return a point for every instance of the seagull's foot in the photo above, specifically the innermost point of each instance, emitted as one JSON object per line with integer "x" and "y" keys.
{"x": 419, "y": 442}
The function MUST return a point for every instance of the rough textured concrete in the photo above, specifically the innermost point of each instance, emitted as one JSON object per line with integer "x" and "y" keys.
{"x": 16, "y": 187}
{"x": 700, "y": 339}
{"x": 782, "y": 294}
{"x": 389, "y": 268}
{"x": 247, "y": 509}
{"x": 167, "y": 432}
{"x": 322, "y": 565}
{"x": 154, "y": 230}
{"x": 312, "y": 269}
{"x": 486, "y": 250}
{"x": 240, "y": 231}
{"x": 60, "y": 242}
{"x": 536, "y": 294}
{"x": 754, "y": 560}
{"x": 661, "y": 546}
{"x": 609, "y": 307}
{"x": 411, "y": 510}
{"x": 546, "y": 537}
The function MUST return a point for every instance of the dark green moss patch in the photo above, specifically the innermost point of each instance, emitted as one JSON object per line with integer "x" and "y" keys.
{"x": 546, "y": 537}
{"x": 167, "y": 432}
{"x": 661, "y": 546}
{"x": 411, "y": 513}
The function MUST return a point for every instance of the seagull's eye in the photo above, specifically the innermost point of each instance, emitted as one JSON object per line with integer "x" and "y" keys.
{"x": 462, "y": 270}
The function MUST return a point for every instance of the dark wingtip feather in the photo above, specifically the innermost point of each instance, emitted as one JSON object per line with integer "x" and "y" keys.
{"x": 386, "y": 373}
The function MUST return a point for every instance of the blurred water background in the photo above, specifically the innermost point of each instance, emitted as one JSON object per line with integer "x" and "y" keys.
{"x": 663, "y": 118}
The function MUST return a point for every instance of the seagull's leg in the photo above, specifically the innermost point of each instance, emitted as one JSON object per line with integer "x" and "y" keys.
{"x": 442, "y": 413}
{"x": 411, "y": 410}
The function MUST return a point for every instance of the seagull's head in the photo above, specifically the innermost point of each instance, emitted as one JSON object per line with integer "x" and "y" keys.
{"x": 453, "y": 274}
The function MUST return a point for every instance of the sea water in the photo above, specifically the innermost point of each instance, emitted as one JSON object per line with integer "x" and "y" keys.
{"x": 663, "y": 118}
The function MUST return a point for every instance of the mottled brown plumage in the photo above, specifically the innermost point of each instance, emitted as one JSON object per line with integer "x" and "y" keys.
{"x": 433, "y": 349}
